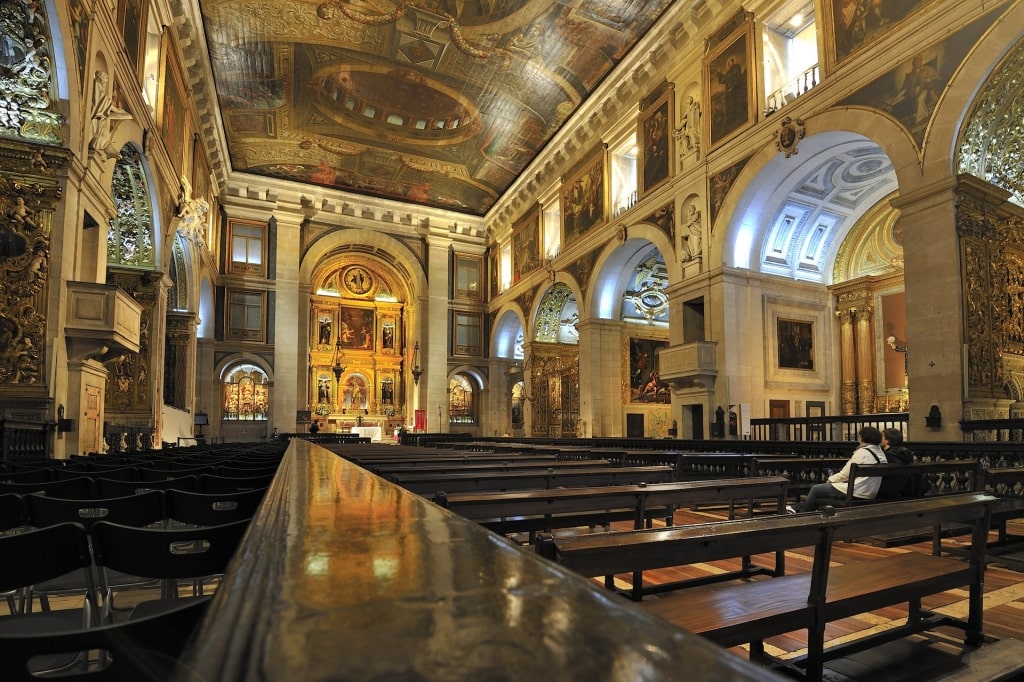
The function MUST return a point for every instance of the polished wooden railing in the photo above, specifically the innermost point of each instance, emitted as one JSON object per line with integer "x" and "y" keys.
{"x": 345, "y": 576}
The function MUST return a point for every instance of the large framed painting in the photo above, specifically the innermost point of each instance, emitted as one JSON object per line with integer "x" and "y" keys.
{"x": 797, "y": 349}
{"x": 172, "y": 114}
{"x": 584, "y": 200}
{"x": 132, "y": 19}
{"x": 526, "y": 244}
{"x": 356, "y": 330}
{"x": 796, "y": 344}
{"x": 853, "y": 24}
{"x": 729, "y": 85}
{"x": 657, "y": 119}
{"x": 645, "y": 385}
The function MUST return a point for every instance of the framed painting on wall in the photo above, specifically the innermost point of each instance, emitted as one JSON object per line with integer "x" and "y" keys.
{"x": 172, "y": 115}
{"x": 356, "y": 330}
{"x": 729, "y": 85}
{"x": 657, "y": 119}
{"x": 796, "y": 344}
{"x": 584, "y": 201}
{"x": 526, "y": 244}
{"x": 852, "y": 24}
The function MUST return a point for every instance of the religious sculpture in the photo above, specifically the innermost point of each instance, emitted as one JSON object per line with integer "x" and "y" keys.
{"x": 692, "y": 234}
{"x": 105, "y": 116}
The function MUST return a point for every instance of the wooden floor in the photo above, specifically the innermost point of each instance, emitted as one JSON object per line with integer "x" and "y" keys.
{"x": 924, "y": 658}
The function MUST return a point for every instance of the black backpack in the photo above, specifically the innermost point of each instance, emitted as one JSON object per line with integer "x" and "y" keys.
{"x": 901, "y": 486}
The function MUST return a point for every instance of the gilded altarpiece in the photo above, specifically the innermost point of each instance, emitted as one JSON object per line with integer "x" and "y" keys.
{"x": 358, "y": 347}
{"x": 555, "y": 388}
{"x": 992, "y": 252}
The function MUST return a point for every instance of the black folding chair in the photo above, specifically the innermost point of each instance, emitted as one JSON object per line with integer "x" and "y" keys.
{"x": 37, "y": 556}
{"x": 79, "y": 488}
{"x": 212, "y": 509}
{"x": 190, "y": 554}
{"x": 139, "y": 650}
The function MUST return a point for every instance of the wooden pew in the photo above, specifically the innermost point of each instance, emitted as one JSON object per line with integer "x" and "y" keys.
{"x": 429, "y": 484}
{"x": 803, "y": 472}
{"x": 735, "y": 613}
{"x": 386, "y": 469}
{"x": 544, "y": 510}
{"x": 945, "y": 477}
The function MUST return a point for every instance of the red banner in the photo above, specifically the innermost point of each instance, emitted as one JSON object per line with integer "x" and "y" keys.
{"x": 421, "y": 420}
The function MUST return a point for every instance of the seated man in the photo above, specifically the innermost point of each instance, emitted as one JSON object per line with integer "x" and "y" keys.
{"x": 865, "y": 487}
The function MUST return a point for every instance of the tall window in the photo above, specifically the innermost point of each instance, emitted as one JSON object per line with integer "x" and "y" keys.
{"x": 130, "y": 238}
{"x": 623, "y": 171}
{"x": 467, "y": 334}
{"x": 460, "y": 401}
{"x": 246, "y": 394}
{"x": 246, "y": 247}
{"x": 245, "y": 315}
{"x": 790, "y": 56}
{"x": 468, "y": 271}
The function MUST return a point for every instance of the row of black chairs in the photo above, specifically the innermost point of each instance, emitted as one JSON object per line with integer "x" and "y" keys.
{"x": 106, "y": 558}
{"x": 94, "y": 486}
{"x": 163, "y": 541}
{"x": 142, "y": 509}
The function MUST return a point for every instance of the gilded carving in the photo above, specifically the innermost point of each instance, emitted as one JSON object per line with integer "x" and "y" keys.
{"x": 25, "y": 215}
{"x": 130, "y": 381}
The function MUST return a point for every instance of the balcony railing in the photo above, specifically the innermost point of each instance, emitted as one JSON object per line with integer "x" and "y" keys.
{"x": 791, "y": 90}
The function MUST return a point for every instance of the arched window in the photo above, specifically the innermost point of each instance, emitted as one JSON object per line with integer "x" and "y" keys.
{"x": 460, "y": 401}
{"x": 130, "y": 239}
{"x": 246, "y": 394}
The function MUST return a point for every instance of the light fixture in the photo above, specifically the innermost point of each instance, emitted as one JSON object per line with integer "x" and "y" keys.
{"x": 417, "y": 371}
{"x": 339, "y": 364}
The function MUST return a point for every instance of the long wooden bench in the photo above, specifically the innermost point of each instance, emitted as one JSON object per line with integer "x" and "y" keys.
{"x": 533, "y": 511}
{"x": 734, "y": 613}
{"x": 387, "y": 469}
{"x": 430, "y": 484}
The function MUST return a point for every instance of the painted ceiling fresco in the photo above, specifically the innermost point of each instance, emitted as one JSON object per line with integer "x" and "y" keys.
{"x": 436, "y": 102}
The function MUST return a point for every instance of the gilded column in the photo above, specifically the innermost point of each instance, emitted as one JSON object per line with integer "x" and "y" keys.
{"x": 864, "y": 341}
{"x": 847, "y": 351}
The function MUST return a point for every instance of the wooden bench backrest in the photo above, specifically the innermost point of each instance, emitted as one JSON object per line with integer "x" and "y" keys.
{"x": 526, "y": 502}
{"x": 626, "y": 551}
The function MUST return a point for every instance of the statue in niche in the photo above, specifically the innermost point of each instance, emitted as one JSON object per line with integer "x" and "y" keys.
{"x": 688, "y": 133}
{"x": 692, "y": 234}
{"x": 105, "y": 116}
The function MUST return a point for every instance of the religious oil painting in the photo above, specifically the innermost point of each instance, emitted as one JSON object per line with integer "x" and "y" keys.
{"x": 856, "y": 23}
{"x": 173, "y": 124}
{"x": 729, "y": 85}
{"x": 796, "y": 344}
{"x": 526, "y": 244}
{"x": 583, "y": 198}
{"x": 645, "y": 385}
{"x": 356, "y": 330}
{"x": 655, "y": 135}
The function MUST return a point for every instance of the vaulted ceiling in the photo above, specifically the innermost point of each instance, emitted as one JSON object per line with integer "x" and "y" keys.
{"x": 436, "y": 102}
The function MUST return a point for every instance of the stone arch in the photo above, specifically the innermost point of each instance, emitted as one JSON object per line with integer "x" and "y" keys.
{"x": 615, "y": 267}
{"x": 739, "y": 228}
{"x": 507, "y": 327}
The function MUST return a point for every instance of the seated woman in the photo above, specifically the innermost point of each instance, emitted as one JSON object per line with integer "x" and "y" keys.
{"x": 865, "y": 487}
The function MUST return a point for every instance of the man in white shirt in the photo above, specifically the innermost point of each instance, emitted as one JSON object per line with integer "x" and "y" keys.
{"x": 865, "y": 487}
